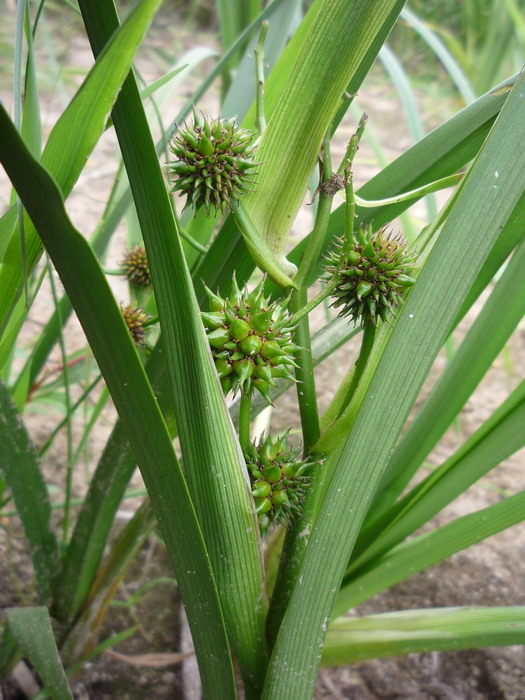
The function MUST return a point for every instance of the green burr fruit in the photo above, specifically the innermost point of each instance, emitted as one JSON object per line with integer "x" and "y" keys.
{"x": 262, "y": 505}
{"x": 218, "y": 338}
{"x": 372, "y": 276}
{"x": 213, "y": 163}
{"x": 272, "y": 462}
{"x": 242, "y": 344}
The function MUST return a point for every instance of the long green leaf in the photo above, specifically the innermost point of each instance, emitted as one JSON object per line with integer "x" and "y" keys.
{"x": 32, "y": 629}
{"x": 110, "y": 480}
{"x": 19, "y": 467}
{"x": 214, "y": 466}
{"x": 74, "y": 136}
{"x": 291, "y": 142}
{"x": 486, "y": 338}
{"x": 120, "y": 364}
{"x": 242, "y": 91}
{"x": 485, "y": 202}
{"x": 497, "y": 439}
{"x": 434, "y": 629}
{"x": 433, "y": 41}
{"x": 421, "y": 552}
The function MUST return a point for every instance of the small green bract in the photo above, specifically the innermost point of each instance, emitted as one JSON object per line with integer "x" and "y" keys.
{"x": 374, "y": 274}
{"x": 213, "y": 163}
{"x": 250, "y": 339}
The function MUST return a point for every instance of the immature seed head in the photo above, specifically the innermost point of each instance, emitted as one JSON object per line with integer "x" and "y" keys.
{"x": 135, "y": 318}
{"x": 250, "y": 339}
{"x": 374, "y": 274}
{"x": 279, "y": 479}
{"x": 213, "y": 162}
{"x": 135, "y": 266}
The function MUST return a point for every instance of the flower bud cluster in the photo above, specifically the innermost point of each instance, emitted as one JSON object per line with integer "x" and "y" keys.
{"x": 135, "y": 266}
{"x": 135, "y": 318}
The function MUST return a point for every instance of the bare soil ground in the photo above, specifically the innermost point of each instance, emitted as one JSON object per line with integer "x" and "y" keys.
{"x": 491, "y": 573}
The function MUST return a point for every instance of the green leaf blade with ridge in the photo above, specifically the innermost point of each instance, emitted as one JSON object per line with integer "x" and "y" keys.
{"x": 350, "y": 640}
{"x": 31, "y": 627}
{"x": 213, "y": 462}
{"x": 428, "y": 549}
{"x": 113, "y": 348}
{"x": 331, "y": 54}
{"x": 19, "y": 467}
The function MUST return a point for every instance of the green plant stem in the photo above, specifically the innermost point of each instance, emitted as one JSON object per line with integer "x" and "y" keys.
{"x": 353, "y": 145}
{"x": 304, "y": 374}
{"x": 194, "y": 243}
{"x": 311, "y": 256}
{"x": 440, "y": 184}
{"x": 69, "y": 413}
{"x": 369, "y": 332}
{"x": 245, "y": 412}
{"x": 260, "y": 119}
{"x": 296, "y": 540}
{"x": 318, "y": 299}
{"x": 349, "y": 208}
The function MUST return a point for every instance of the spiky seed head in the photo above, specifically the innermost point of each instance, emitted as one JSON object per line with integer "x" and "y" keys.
{"x": 279, "y": 479}
{"x": 135, "y": 318}
{"x": 373, "y": 275}
{"x": 250, "y": 340}
{"x": 213, "y": 162}
{"x": 135, "y": 266}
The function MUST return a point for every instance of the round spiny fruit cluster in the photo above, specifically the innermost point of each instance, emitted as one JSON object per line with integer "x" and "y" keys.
{"x": 135, "y": 266}
{"x": 250, "y": 340}
{"x": 278, "y": 479}
{"x": 213, "y": 162}
{"x": 135, "y": 318}
{"x": 373, "y": 275}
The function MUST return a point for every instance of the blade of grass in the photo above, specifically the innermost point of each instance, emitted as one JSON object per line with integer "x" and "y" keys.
{"x": 82, "y": 638}
{"x": 291, "y": 142}
{"x": 121, "y": 367}
{"x": 31, "y": 129}
{"x": 441, "y": 51}
{"x": 430, "y": 548}
{"x": 498, "y": 438}
{"x": 486, "y": 338}
{"x": 404, "y": 90}
{"x": 443, "y": 282}
{"x": 209, "y": 446}
{"x": 350, "y": 640}
{"x": 19, "y": 467}
{"x": 32, "y": 629}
